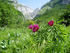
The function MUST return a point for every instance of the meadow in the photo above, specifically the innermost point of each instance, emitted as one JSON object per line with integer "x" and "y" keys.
{"x": 48, "y": 39}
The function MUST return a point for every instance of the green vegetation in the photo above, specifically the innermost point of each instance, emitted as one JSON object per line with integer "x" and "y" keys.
{"x": 42, "y": 11}
{"x": 9, "y": 15}
{"x": 46, "y": 39}
{"x": 54, "y": 13}
{"x": 53, "y": 35}
{"x": 65, "y": 17}
{"x": 15, "y": 37}
{"x": 49, "y": 6}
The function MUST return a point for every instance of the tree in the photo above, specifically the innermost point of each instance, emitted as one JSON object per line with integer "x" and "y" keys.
{"x": 9, "y": 15}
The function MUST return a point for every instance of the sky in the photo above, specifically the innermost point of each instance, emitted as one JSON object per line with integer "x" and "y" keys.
{"x": 33, "y": 3}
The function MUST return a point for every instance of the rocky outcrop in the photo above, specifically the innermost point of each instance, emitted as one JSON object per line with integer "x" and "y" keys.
{"x": 65, "y": 2}
{"x": 26, "y": 11}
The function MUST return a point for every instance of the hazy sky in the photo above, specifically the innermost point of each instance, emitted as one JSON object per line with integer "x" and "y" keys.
{"x": 34, "y": 3}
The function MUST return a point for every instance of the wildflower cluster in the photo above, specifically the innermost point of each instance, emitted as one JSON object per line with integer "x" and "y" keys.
{"x": 51, "y": 23}
{"x": 34, "y": 27}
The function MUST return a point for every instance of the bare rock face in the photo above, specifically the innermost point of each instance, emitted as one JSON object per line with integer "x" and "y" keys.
{"x": 35, "y": 12}
{"x": 65, "y": 2}
{"x": 26, "y": 11}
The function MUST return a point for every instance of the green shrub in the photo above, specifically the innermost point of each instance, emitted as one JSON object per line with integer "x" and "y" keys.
{"x": 65, "y": 17}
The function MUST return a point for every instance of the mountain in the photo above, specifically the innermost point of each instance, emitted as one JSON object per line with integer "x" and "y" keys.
{"x": 54, "y": 2}
{"x": 51, "y": 4}
{"x": 26, "y": 11}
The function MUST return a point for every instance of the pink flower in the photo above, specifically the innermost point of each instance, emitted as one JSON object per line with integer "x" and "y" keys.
{"x": 51, "y": 23}
{"x": 31, "y": 26}
{"x": 35, "y": 28}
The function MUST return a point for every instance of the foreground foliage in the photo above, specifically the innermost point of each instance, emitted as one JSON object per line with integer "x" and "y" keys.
{"x": 50, "y": 39}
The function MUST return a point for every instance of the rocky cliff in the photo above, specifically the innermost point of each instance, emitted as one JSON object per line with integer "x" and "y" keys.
{"x": 35, "y": 12}
{"x": 26, "y": 11}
